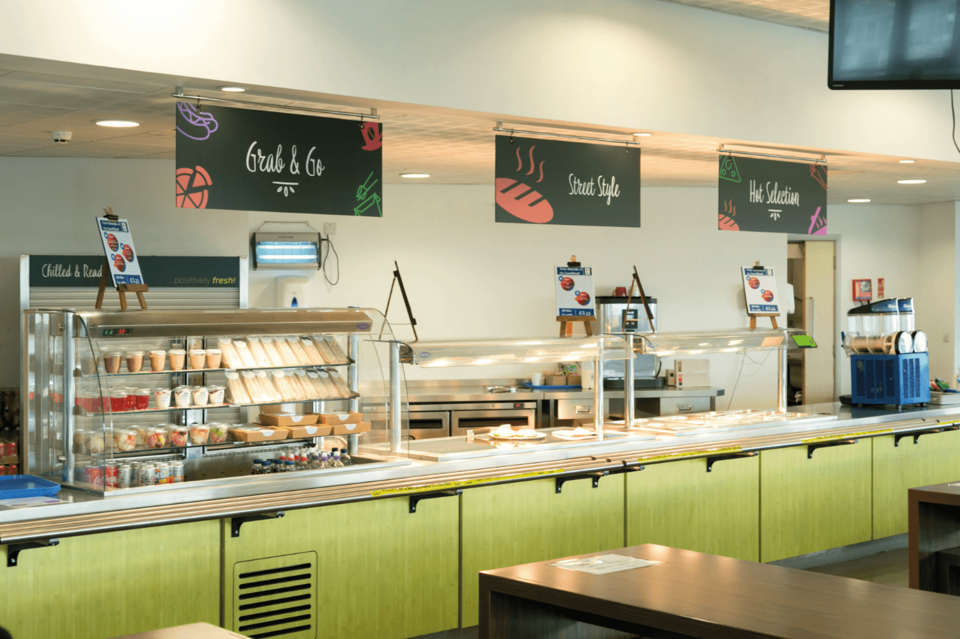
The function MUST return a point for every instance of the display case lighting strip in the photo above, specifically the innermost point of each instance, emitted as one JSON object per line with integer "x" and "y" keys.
{"x": 179, "y": 95}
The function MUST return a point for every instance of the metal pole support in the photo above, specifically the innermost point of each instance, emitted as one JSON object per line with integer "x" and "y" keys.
{"x": 396, "y": 416}
{"x": 629, "y": 407}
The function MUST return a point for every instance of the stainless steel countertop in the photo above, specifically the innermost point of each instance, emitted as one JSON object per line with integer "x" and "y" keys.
{"x": 84, "y": 513}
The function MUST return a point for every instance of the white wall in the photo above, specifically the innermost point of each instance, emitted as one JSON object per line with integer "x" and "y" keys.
{"x": 466, "y": 275}
{"x": 876, "y": 241}
{"x": 469, "y": 277}
{"x": 48, "y": 206}
{"x": 936, "y": 280}
{"x": 642, "y": 64}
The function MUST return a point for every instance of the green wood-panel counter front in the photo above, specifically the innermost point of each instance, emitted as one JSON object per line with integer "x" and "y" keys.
{"x": 113, "y": 584}
{"x": 529, "y": 521}
{"x": 812, "y": 502}
{"x": 681, "y": 505}
{"x": 381, "y": 571}
{"x": 930, "y": 458}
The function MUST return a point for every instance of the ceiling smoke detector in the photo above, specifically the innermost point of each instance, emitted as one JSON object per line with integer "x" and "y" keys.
{"x": 61, "y": 137}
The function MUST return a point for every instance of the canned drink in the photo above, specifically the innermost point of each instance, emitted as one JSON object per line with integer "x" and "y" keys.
{"x": 3, "y": 471}
{"x": 125, "y": 476}
{"x": 93, "y": 475}
{"x": 178, "y": 473}
{"x": 111, "y": 472}
{"x": 164, "y": 475}
{"x": 148, "y": 475}
{"x": 11, "y": 449}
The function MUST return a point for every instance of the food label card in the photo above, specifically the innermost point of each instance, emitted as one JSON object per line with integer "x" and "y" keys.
{"x": 760, "y": 290}
{"x": 575, "y": 291}
{"x": 118, "y": 247}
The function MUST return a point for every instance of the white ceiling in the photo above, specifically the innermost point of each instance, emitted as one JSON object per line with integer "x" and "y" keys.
{"x": 806, "y": 14}
{"x": 454, "y": 147}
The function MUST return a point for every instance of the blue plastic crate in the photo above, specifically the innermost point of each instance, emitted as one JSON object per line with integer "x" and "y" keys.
{"x": 20, "y": 486}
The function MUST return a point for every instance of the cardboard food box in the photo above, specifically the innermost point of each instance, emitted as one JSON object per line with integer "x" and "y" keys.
{"x": 287, "y": 419}
{"x": 340, "y": 418}
{"x": 261, "y": 435}
{"x": 574, "y": 380}
{"x": 350, "y": 429}
{"x": 302, "y": 432}
{"x": 555, "y": 380}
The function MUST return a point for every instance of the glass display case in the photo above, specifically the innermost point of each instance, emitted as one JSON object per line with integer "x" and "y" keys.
{"x": 136, "y": 400}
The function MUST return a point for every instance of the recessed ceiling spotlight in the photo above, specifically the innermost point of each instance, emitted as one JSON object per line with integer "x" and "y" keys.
{"x": 643, "y": 135}
{"x": 911, "y": 181}
{"x": 117, "y": 124}
{"x": 858, "y": 201}
{"x": 233, "y": 89}
{"x": 415, "y": 175}
{"x": 907, "y": 161}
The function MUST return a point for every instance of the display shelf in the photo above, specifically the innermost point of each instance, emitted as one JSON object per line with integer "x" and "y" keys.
{"x": 9, "y": 460}
{"x": 81, "y": 412}
{"x": 138, "y": 453}
{"x": 80, "y": 374}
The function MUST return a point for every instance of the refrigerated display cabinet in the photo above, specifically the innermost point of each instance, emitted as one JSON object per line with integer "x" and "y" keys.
{"x": 186, "y": 388}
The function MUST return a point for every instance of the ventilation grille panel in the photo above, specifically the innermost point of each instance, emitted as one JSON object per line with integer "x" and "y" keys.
{"x": 276, "y": 597}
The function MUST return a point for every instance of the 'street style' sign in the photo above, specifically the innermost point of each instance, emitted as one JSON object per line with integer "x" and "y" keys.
{"x": 260, "y": 161}
{"x": 571, "y": 183}
{"x": 772, "y": 197}
{"x": 118, "y": 247}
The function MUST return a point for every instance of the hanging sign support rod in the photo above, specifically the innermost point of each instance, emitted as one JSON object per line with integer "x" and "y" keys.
{"x": 367, "y": 116}
{"x": 822, "y": 158}
{"x": 499, "y": 129}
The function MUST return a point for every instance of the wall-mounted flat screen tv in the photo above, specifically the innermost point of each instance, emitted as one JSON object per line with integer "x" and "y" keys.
{"x": 894, "y": 44}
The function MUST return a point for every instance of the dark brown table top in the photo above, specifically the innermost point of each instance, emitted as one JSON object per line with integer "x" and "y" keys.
{"x": 709, "y": 596}
{"x": 938, "y": 493}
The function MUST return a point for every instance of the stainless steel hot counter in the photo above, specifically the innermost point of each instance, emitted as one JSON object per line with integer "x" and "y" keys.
{"x": 83, "y": 514}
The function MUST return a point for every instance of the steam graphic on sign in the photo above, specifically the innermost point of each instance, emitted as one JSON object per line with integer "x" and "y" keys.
{"x": 520, "y": 200}
{"x": 726, "y": 222}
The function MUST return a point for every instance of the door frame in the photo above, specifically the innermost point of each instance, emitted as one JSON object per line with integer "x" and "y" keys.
{"x": 838, "y": 354}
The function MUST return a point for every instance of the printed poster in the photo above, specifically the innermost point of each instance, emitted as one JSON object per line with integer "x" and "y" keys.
{"x": 118, "y": 247}
{"x": 760, "y": 289}
{"x": 575, "y": 291}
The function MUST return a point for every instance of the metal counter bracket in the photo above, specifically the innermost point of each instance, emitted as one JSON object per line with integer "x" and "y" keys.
{"x": 595, "y": 476}
{"x": 713, "y": 460}
{"x": 236, "y": 522}
{"x": 916, "y": 435}
{"x": 14, "y": 550}
{"x": 416, "y": 499}
{"x": 840, "y": 442}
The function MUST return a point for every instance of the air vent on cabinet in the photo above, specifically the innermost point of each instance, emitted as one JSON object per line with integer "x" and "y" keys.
{"x": 276, "y": 597}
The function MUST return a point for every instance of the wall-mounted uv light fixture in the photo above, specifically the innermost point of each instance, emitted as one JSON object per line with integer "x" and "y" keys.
{"x": 286, "y": 251}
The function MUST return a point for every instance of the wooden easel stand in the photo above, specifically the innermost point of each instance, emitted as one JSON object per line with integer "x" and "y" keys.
{"x": 122, "y": 289}
{"x": 567, "y": 323}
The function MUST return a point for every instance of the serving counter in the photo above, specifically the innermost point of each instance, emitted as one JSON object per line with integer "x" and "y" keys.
{"x": 395, "y": 533}
{"x": 391, "y": 546}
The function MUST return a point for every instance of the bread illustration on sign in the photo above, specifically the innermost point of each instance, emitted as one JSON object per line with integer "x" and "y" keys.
{"x": 520, "y": 200}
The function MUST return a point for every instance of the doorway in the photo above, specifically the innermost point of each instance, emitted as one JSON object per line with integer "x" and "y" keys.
{"x": 811, "y": 271}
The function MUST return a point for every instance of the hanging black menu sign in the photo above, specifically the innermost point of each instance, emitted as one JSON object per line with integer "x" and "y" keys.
{"x": 571, "y": 183}
{"x": 772, "y": 197}
{"x": 260, "y": 161}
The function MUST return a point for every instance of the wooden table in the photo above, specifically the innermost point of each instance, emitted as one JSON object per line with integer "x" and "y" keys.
{"x": 934, "y": 514}
{"x": 190, "y": 631}
{"x": 696, "y": 595}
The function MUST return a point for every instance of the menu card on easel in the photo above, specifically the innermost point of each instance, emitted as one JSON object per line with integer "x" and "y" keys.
{"x": 118, "y": 247}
